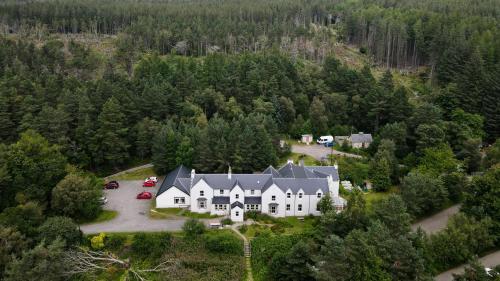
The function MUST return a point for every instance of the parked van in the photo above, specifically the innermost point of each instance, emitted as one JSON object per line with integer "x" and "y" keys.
{"x": 324, "y": 139}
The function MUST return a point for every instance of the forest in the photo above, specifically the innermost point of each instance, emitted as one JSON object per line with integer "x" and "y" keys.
{"x": 91, "y": 87}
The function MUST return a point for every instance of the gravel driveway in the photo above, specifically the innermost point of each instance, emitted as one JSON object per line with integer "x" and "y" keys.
{"x": 436, "y": 222}
{"x": 490, "y": 261}
{"x": 132, "y": 213}
{"x": 319, "y": 152}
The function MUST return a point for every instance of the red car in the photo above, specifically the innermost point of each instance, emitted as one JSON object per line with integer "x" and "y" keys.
{"x": 149, "y": 183}
{"x": 144, "y": 195}
{"x": 111, "y": 185}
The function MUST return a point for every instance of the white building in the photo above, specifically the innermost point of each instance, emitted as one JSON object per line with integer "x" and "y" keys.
{"x": 360, "y": 140}
{"x": 290, "y": 191}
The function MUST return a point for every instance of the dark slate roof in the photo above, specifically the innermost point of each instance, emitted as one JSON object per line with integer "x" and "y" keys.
{"x": 272, "y": 171}
{"x": 220, "y": 200}
{"x": 237, "y": 203}
{"x": 246, "y": 181}
{"x": 170, "y": 180}
{"x": 324, "y": 171}
{"x": 309, "y": 186}
{"x": 358, "y": 138}
{"x": 253, "y": 200}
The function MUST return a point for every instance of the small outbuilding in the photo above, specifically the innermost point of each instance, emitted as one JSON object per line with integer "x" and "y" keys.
{"x": 360, "y": 140}
{"x": 307, "y": 139}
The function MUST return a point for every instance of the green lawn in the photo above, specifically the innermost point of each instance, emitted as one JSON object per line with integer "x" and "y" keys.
{"x": 105, "y": 215}
{"x": 296, "y": 157}
{"x": 165, "y": 213}
{"x": 135, "y": 175}
{"x": 287, "y": 226}
{"x": 374, "y": 196}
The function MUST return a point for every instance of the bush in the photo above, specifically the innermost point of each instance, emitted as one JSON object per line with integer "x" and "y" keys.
{"x": 97, "y": 242}
{"x": 223, "y": 243}
{"x": 115, "y": 242}
{"x": 193, "y": 228}
{"x": 60, "y": 227}
{"x": 277, "y": 229}
{"x": 226, "y": 221}
{"x": 151, "y": 245}
{"x": 243, "y": 228}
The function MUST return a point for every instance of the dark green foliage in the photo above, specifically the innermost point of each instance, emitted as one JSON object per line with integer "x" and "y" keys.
{"x": 393, "y": 214}
{"x": 225, "y": 243}
{"x": 193, "y": 228}
{"x": 150, "y": 246}
{"x": 460, "y": 241}
{"x": 295, "y": 264}
{"x": 77, "y": 196}
{"x": 423, "y": 193}
{"x": 34, "y": 167}
{"x": 62, "y": 228}
{"x": 115, "y": 242}
{"x": 475, "y": 271}
{"x": 482, "y": 198}
{"x": 355, "y": 216}
{"x": 45, "y": 262}
{"x": 12, "y": 244}
{"x": 455, "y": 183}
{"x": 325, "y": 205}
{"x": 26, "y": 218}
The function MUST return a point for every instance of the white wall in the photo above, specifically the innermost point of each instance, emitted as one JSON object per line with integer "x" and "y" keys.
{"x": 234, "y": 191}
{"x": 304, "y": 201}
{"x": 225, "y": 192}
{"x": 280, "y": 200}
{"x": 240, "y": 216}
{"x": 166, "y": 199}
{"x": 195, "y": 194}
{"x": 226, "y": 212}
{"x": 248, "y": 193}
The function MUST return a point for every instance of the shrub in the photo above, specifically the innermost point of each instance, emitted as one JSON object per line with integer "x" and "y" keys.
{"x": 115, "y": 241}
{"x": 277, "y": 229}
{"x": 243, "y": 228}
{"x": 60, "y": 227}
{"x": 97, "y": 242}
{"x": 151, "y": 245}
{"x": 223, "y": 243}
{"x": 193, "y": 228}
{"x": 226, "y": 221}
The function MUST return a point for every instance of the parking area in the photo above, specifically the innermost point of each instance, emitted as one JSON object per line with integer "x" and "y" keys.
{"x": 320, "y": 152}
{"x": 132, "y": 213}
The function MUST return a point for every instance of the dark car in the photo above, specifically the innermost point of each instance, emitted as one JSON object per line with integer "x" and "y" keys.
{"x": 111, "y": 185}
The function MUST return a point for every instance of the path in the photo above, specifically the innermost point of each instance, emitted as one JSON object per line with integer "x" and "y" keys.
{"x": 490, "y": 261}
{"x": 437, "y": 221}
{"x": 319, "y": 152}
{"x": 247, "y": 248}
{"x": 133, "y": 214}
{"x": 149, "y": 165}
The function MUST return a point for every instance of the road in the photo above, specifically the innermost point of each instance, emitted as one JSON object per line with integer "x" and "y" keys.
{"x": 131, "y": 170}
{"x": 437, "y": 221}
{"x": 132, "y": 213}
{"x": 490, "y": 261}
{"x": 319, "y": 152}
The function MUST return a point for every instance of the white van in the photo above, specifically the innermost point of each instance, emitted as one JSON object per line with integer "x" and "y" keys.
{"x": 324, "y": 139}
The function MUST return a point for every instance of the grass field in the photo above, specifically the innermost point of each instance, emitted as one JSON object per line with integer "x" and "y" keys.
{"x": 287, "y": 226}
{"x": 135, "y": 175}
{"x": 373, "y": 196}
{"x": 296, "y": 157}
{"x": 105, "y": 215}
{"x": 165, "y": 213}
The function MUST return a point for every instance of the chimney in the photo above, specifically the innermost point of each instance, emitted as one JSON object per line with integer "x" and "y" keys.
{"x": 333, "y": 186}
{"x": 229, "y": 173}
{"x": 336, "y": 165}
{"x": 301, "y": 162}
{"x": 193, "y": 173}
{"x": 289, "y": 161}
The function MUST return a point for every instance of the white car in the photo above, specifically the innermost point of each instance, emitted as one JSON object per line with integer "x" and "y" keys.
{"x": 324, "y": 139}
{"x": 155, "y": 179}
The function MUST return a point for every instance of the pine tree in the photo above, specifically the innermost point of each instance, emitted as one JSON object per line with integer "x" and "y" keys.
{"x": 164, "y": 150}
{"x": 112, "y": 133}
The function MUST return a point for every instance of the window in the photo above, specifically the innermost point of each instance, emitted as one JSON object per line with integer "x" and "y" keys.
{"x": 273, "y": 209}
{"x": 237, "y": 196}
{"x": 252, "y": 192}
{"x": 299, "y": 207}
{"x": 179, "y": 200}
{"x": 273, "y": 198}
{"x": 288, "y": 195}
{"x": 288, "y": 207}
{"x": 319, "y": 195}
{"x": 237, "y": 213}
{"x": 248, "y": 207}
{"x": 202, "y": 204}
{"x": 317, "y": 207}
{"x": 300, "y": 195}
{"x": 221, "y": 191}
{"x": 202, "y": 193}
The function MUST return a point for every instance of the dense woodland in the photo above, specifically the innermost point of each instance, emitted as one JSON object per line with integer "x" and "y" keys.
{"x": 213, "y": 84}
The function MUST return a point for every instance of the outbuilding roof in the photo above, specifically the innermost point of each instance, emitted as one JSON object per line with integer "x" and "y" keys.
{"x": 361, "y": 138}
